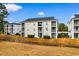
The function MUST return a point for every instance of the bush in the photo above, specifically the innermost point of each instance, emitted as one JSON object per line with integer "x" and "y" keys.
{"x": 8, "y": 33}
{"x": 63, "y": 35}
{"x": 17, "y": 34}
{"x": 30, "y": 36}
{"x": 46, "y": 37}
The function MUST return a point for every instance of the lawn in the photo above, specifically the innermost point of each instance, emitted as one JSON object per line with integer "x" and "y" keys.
{"x": 22, "y": 49}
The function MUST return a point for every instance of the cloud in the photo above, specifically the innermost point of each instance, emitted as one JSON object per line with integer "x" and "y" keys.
{"x": 40, "y": 14}
{"x": 13, "y": 7}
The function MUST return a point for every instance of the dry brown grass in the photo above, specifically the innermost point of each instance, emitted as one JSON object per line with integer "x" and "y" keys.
{"x": 51, "y": 42}
{"x": 9, "y": 46}
{"x": 20, "y": 49}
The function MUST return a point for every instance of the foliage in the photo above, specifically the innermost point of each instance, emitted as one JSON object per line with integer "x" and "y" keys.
{"x": 3, "y": 14}
{"x": 63, "y": 35}
{"x": 30, "y": 36}
{"x": 46, "y": 37}
{"x": 62, "y": 27}
{"x": 8, "y": 33}
{"x": 17, "y": 34}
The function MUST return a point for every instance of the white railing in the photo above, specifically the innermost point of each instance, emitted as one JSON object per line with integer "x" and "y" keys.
{"x": 53, "y": 24}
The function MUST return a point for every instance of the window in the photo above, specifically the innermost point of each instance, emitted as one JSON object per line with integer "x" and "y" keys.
{"x": 22, "y": 34}
{"x": 53, "y": 29}
{"x": 46, "y": 29}
{"x": 40, "y": 34}
{"x": 53, "y": 23}
{"x": 22, "y": 24}
{"x": 53, "y": 35}
{"x": 76, "y": 28}
{"x": 34, "y": 29}
{"x": 34, "y": 24}
{"x": 46, "y": 23}
{"x": 39, "y": 23}
{"x": 76, "y": 35}
{"x": 39, "y": 29}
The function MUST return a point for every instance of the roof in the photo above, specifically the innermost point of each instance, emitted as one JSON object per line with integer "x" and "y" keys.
{"x": 42, "y": 18}
{"x": 73, "y": 17}
{"x": 14, "y": 23}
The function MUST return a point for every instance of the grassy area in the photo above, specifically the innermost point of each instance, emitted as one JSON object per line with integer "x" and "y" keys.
{"x": 18, "y": 46}
{"x": 21, "y": 49}
{"x": 67, "y": 42}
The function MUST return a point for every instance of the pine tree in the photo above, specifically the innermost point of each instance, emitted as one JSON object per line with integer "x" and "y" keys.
{"x": 3, "y": 14}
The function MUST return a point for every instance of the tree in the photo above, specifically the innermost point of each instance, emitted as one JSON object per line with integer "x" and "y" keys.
{"x": 62, "y": 27}
{"x": 3, "y": 14}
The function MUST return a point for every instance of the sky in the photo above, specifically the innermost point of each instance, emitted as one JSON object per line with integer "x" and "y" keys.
{"x": 22, "y": 11}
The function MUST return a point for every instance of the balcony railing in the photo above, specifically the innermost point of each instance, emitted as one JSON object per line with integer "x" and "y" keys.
{"x": 39, "y": 31}
{"x": 76, "y": 30}
{"x": 53, "y": 30}
{"x": 54, "y": 24}
{"x": 76, "y": 24}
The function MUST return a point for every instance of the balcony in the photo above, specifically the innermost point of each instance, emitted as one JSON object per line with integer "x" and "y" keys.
{"x": 76, "y": 22}
{"x": 39, "y": 23}
{"x": 53, "y": 23}
{"x": 53, "y": 29}
{"x": 23, "y": 29}
{"x": 76, "y": 35}
{"x": 39, "y": 34}
{"x": 39, "y": 29}
{"x": 53, "y": 35}
{"x": 76, "y": 30}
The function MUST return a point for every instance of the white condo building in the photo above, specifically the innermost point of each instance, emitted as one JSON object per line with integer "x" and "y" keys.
{"x": 12, "y": 28}
{"x": 40, "y": 27}
{"x": 73, "y": 27}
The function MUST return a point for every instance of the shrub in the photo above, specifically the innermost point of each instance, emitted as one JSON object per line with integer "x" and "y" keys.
{"x": 8, "y": 33}
{"x": 63, "y": 35}
{"x": 17, "y": 34}
{"x": 46, "y": 37}
{"x": 30, "y": 36}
